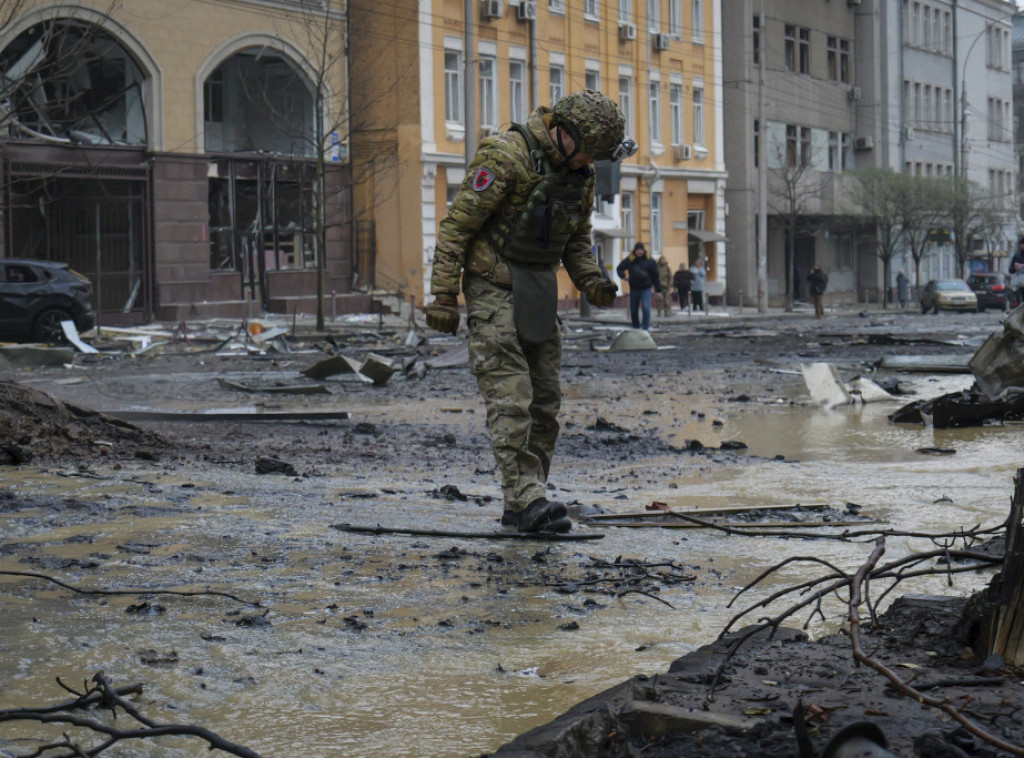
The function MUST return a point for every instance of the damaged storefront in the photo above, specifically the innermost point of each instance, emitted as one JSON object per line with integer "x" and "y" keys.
{"x": 236, "y": 227}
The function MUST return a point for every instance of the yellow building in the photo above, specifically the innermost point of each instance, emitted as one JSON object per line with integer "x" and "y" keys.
{"x": 171, "y": 151}
{"x": 660, "y": 59}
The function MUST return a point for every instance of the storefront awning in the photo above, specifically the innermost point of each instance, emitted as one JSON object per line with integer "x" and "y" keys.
{"x": 705, "y": 236}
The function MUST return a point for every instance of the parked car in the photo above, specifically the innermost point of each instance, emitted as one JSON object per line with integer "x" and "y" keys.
{"x": 948, "y": 295}
{"x": 35, "y": 296}
{"x": 992, "y": 290}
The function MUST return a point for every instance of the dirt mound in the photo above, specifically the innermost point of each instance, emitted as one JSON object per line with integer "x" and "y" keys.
{"x": 36, "y": 427}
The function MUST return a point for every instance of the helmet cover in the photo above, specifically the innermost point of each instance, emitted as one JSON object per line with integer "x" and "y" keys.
{"x": 593, "y": 120}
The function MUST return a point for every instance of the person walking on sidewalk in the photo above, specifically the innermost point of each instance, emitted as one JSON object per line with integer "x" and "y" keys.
{"x": 522, "y": 212}
{"x": 817, "y": 282}
{"x": 902, "y": 285}
{"x": 642, "y": 274}
{"x": 681, "y": 281}
{"x": 697, "y": 287}
{"x": 665, "y": 280}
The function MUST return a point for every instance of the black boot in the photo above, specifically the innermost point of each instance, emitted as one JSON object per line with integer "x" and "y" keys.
{"x": 542, "y": 515}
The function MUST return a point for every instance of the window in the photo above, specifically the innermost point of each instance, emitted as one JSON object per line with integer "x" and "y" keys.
{"x": 213, "y": 97}
{"x": 591, "y": 10}
{"x": 675, "y": 18}
{"x": 654, "y": 16}
{"x": 845, "y": 75}
{"x": 926, "y": 107}
{"x": 557, "y": 83}
{"x": 846, "y": 151}
{"x": 625, "y": 11}
{"x": 557, "y": 7}
{"x": 453, "y": 85}
{"x": 757, "y": 39}
{"x": 833, "y": 151}
{"x": 790, "y": 49}
{"x": 675, "y": 106}
{"x": 626, "y": 101}
{"x": 918, "y": 116}
{"x": 656, "y": 244}
{"x": 517, "y": 91}
{"x": 757, "y": 143}
{"x": 806, "y": 153}
{"x": 698, "y": 115}
{"x": 791, "y": 146}
{"x": 832, "y": 59}
{"x": 627, "y": 220}
{"x": 915, "y": 24}
{"x": 805, "y": 51}
{"x": 654, "y": 90}
{"x": 937, "y": 30}
{"x": 488, "y": 93}
{"x": 947, "y": 32}
{"x": 698, "y": 20}
{"x": 592, "y": 79}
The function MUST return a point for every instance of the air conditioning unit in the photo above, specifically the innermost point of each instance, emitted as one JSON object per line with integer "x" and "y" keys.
{"x": 853, "y": 94}
{"x": 853, "y": 3}
{"x": 864, "y": 143}
{"x": 627, "y": 31}
{"x": 494, "y": 8}
{"x": 527, "y": 10}
{"x": 684, "y": 152}
{"x": 662, "y": 41}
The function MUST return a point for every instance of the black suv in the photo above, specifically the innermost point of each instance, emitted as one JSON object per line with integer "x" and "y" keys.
{"x": 35, "y": 296}
{"x": 992, "y": 289}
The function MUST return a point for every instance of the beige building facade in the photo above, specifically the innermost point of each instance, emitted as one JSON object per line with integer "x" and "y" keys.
{"x": 172, "y": 152}
{"x": 659, "y": 59}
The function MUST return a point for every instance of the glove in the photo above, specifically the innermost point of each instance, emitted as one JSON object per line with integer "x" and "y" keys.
{"x": 443, "y": 314}
{"x": 599, "y": 291}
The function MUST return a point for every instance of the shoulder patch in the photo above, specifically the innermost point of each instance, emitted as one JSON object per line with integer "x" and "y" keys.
{"x": 484, "y": 178}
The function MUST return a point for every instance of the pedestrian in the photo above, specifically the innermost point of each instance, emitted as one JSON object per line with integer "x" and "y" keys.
{"x": 697, "y": 285}
{"x": 665, "y": 280}
{"x": 522, "y": 211}
{"x": 642, "y": 274}
{"x": 902, "y": 285}
{"x": 817, "y": 282}
{"x": 1017, "y": 273}
{"x": 797, "y": 276}
{"x": 681, "y": 281}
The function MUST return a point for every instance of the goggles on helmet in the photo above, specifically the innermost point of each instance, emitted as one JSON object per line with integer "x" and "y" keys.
{"x": 627, "y": 148}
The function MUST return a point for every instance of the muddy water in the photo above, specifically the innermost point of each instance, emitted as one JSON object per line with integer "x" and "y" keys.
{"x": 375, "y": 646}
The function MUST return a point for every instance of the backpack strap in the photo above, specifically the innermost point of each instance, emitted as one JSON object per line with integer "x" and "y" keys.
{"x": 540, "y": 161}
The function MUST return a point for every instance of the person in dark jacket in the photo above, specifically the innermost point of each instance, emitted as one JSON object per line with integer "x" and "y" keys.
{"x": 817, "y": 282}
{"x": 681, "y": 281}
{"x": 642, "y": 274}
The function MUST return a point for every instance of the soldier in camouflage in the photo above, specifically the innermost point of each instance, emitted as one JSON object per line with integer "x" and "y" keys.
{"x": 523, "y": 211}
{"x": 665, "y": 279}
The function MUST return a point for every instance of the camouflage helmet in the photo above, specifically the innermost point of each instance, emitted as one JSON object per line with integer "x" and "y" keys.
{"x": 593, "y": 120}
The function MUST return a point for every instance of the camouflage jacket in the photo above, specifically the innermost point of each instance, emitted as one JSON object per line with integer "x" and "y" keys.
{"x": 499, "y": 181}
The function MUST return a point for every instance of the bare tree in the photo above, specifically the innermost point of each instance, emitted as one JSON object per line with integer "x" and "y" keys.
{"x": 968, "y": 215}
{"x": 923, "y": 216}
{"x": 884, "y": 199}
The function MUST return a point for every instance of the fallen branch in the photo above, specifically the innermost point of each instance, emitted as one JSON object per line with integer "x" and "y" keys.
{"x": 859, "y": 579}
{"x": 80, "y": 591}
{"x": 102, "y": 693}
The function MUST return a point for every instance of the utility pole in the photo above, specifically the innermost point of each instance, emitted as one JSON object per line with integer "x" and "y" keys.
{"x": 469, "y": 81}
{"x": 762, "y": 172}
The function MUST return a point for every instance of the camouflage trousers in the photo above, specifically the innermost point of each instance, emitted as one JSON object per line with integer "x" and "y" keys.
{"x": 665, "y": 302}
{"x": 520, "y": 386}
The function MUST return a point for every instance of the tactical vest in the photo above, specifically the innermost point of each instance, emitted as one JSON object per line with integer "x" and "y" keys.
{"x": 547, "y": 221}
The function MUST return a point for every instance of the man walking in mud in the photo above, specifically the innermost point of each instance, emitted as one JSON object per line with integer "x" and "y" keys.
{"x": 523, "y": 211}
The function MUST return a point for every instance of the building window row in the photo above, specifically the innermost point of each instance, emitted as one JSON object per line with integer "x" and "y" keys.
{"x": 795, "y": 146}
{"x": 1000, "y": 120}
{"x": 927, "y": 27}
{"x": 928, "y": 107}
{"x": 797, "y": 52}
{"x": 997, "y": 44}
{"x": 920, "y": 168}
{"x": 1000, "y": 186}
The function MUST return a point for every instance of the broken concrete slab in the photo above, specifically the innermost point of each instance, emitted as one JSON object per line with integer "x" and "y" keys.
{"x": 927, "y": 364}
{"x": 336, "y": 364}
{"x": 378, "y": 368}
{"x": 998, "y": 365}
{"x": 824, "y": 384}
{"x": 661, "y": 719}
{"x": 33, "y": 356}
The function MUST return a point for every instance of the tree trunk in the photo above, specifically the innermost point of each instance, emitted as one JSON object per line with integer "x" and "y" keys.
{"x": 1001, "y": 629}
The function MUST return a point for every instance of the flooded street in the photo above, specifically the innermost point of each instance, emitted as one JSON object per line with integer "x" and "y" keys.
{"x": 400, "y": 646}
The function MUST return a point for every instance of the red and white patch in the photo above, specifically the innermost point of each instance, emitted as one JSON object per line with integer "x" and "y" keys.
{"x": 484, "y": 178}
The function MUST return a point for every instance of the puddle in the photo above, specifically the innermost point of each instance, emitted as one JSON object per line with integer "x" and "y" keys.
{"x": 374, "y": 650}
